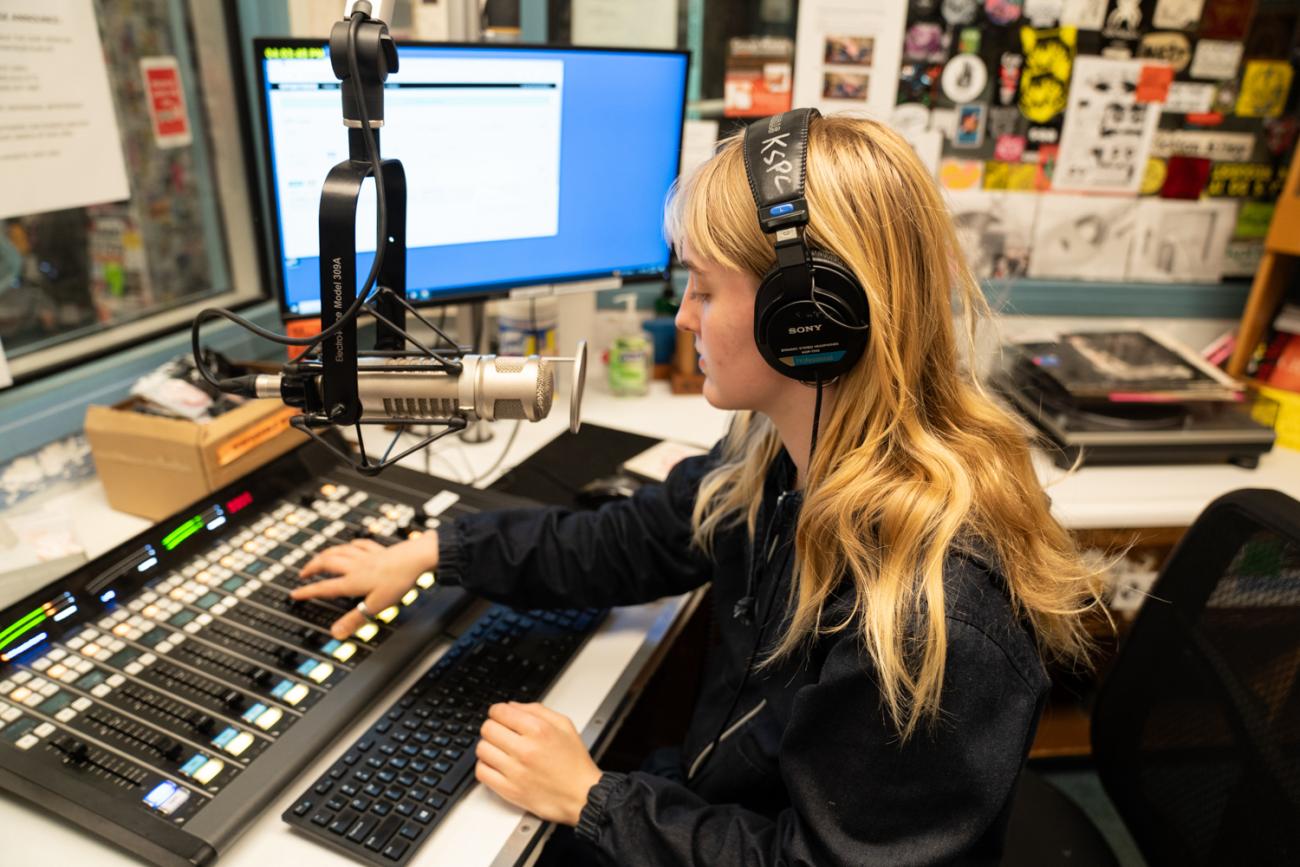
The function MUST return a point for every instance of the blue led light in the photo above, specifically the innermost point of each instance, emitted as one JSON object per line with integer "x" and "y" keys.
{"x": 281, "y": 688}
{"x": 781, "y": 210}
{"x": 254, "y": 712}
{"x": 225, "y": 737}
{"x": 108, "y": 596}
{"x": 306, "y": 667}
{"x": 196, "y": 761}
{"x": 160, "y": 793}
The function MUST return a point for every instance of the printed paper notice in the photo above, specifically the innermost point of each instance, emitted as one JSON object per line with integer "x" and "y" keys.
{"x": 59, "y": 144}
{"x": 1108, "y": 133}
{"x": 847, "y": 56}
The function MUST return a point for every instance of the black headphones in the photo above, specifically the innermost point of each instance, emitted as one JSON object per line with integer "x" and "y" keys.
{"x": 811, "y": 317}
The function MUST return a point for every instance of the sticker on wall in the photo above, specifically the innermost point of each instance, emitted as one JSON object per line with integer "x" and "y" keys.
{"x": 1185, "y": 178}
{"x": 1153, "y": 177}
{"x": 1004, "y": 120}
{"x": 1215, "y": 59}
{"x": 1171, "y": 48}
{"x": 944, "y": 121}
{"x": 1044, "y": 84}
{"x": 1226, "y": 19}
{"x": 1189, "y": 97}
{"x": 1181, "y": 241}
{"x": 959, "y": 11}
{"x": 1046, "y": 167}
{"x": 166, "y": 100}
{"x": 994, "y": 230}
{"x": 1083, "y": 14}
{"x": 957, "y": 174}
{"x": 1217, "y": 146}
{"x": 1253, "y": 219}
{"x": 1009, "y": 66}
{"x": 1153, "y": 83}
{"x": 918, "y": 82}
{"x": 964, "y": 78}
{"x": 925, "y": 41}
{"x": 910, "y": 119}
{"x": 1264, "y": 88}
{"x": 1107, "y": 134}
{"x": 1043, "y": 135}
{"x": 1242, "y": 257}
{"x": 968, "y": 41}
{"x": 1123, "y": 20}
{"x": 1177, "y": 14}
{"x": 1280, "y": 134}
{"x": 1009, "y": 148}
{"x": 1003, "y": 11}
{"x": 1013, "y": 177}
{"x": 1043, "y": 13}
{"x": 1082, "y": 237}
{"x": 970, "y": 126}
{"x": 1244, "y": 181}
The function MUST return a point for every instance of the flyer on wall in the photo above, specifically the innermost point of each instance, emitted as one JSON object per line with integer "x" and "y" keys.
{"x": 847, "y": 56}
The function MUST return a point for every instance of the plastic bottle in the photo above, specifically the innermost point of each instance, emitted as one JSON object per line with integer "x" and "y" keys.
{"x": 527, "y": 326}
{"x": 630, "y": 353}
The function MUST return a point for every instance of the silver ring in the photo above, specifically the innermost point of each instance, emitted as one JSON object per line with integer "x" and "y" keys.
{"x": 364, "y": 611}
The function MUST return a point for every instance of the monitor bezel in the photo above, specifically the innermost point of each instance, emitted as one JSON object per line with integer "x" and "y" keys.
{"x": 452, "y": 295}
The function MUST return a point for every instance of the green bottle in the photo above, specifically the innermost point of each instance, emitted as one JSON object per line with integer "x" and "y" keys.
{"x": 630, "y": 355}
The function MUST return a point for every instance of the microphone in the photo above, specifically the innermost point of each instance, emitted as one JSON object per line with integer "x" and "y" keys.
{"x": 405, "y": 390}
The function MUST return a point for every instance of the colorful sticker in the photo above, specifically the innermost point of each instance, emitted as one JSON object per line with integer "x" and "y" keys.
{"x": 1044, "y": 13}
{"x": 1014, "y": 177}
{"x": 1177, "y": 14}
{"x": 925, "y": 41}
{"x": 1280, "y": 134}
{"x": 964, "y": 78}
{"x": 1185, "y": 178}
{"x": 1226, "y": 19}
{"x": 968, "y": 41}
{"x": 1215, "y": 59}
{"x": 910, "y": 119}
{"x": 959, "y": 11}
{"x": 1264, "y": 88}
{"x": 1245, "y": 181}
{"x": 1254, "y": 218}
{"x": 970, "y": 126}
{"x": 1009, "y": 148}
{"x": 1043, "y": 135}
{"x": 1083, "y": 14}
{"x": 957, "y": 174}
{"x": 1004, "y": 120}
{"x": 1153, "y": 178}
{"x": 1009, "y": 66}
{"x": 1046, "y": 167}
{"x": 1172, "y": 48}
{"x": 944, "y": 121}
{"x": 1003, "y": 11}
{"x": 1107, "y": 135}
{"x": 1217, "y": 146}
{"x": 1044, "y": 84}
{"x": 1153, "y": 84}
{"x": 918, "y": 82}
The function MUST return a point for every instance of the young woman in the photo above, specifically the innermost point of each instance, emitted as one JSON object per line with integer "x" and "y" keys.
{"x": 886, "y": 577}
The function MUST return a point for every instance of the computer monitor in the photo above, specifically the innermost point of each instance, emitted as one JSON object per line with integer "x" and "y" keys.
{"x": 525, "y": 165}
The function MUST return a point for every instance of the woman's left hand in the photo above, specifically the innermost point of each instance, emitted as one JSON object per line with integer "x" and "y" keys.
{"x": 533, "y": 757}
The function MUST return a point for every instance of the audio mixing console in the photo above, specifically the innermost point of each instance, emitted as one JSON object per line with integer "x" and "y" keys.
{"x": 165, "y": 693}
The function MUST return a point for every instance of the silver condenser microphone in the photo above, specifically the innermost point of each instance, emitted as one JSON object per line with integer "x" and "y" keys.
{"x": 488, "y": 387}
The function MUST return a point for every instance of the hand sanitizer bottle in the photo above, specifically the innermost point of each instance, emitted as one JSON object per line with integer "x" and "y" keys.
{"x": 630, "y": 354}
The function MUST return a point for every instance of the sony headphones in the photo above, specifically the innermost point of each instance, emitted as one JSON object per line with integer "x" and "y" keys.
{"x": 810, "y": 315}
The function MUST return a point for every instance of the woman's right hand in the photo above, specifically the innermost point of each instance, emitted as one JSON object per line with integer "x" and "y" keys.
{"x": 363, "y": 567}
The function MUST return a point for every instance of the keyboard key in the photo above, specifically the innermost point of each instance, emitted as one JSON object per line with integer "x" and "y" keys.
{"x": 344, "y": 821}
{"x": 362, "y": 829}
{"x": 410, "y": 832}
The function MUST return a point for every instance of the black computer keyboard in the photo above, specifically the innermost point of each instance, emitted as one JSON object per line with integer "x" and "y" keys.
{"x": 385, "y": 796}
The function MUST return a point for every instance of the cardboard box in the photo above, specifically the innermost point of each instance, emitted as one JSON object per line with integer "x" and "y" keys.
{"x": 152, "y": 466}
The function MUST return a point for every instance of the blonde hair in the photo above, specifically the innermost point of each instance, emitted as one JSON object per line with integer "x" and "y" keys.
{"x": 915, "y": 461}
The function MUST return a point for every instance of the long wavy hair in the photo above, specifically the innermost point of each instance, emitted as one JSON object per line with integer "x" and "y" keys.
{"x": 915, "y": 460}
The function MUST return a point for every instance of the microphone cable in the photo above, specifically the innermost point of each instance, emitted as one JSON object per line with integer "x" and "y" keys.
{"x": 245, "y": 384}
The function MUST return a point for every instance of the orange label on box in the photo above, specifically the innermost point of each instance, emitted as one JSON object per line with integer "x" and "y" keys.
{"x": 300, "y": 328}
{"x": 247, "y": 440}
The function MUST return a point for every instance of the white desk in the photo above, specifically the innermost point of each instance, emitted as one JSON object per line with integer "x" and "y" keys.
{"x": 483, "y": 829}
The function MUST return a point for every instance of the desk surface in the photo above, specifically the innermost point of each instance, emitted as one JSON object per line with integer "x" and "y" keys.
{"x": 485, "y": 830}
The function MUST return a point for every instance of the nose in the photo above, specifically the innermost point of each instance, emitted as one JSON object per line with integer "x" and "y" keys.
{"x": 687, "y": 318}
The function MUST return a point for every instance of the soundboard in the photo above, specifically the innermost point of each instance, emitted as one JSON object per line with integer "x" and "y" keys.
{"x": 163, "y": 694}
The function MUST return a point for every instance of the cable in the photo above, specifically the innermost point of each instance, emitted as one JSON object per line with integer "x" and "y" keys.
{"x": 245, "y": 383}
{"x": 509, "y": 442}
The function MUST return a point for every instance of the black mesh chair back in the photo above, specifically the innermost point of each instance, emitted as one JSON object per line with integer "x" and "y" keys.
{"x": 1196, "y": 731}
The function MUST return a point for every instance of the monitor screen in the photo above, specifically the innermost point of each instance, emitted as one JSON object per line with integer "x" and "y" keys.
{"x": 524, "y": 165}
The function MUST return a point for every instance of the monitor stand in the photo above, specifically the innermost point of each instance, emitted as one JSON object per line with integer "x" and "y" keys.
{"x": 472, "y": 321}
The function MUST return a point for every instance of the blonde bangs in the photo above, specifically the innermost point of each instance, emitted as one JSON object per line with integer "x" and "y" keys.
{"x": 712, "y": 212}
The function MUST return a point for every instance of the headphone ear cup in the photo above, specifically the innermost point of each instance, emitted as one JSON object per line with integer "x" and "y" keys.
{"x": 798, "y": 338}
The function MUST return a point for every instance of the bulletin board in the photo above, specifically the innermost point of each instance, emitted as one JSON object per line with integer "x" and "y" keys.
{"x": 1125, "y": 140}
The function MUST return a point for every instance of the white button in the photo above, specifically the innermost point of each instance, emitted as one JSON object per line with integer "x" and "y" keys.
{"x": 10, "y": 714}
{"x": 65, "y": 715}
{"x": 243, "y": 592}
{"x": 239, "y": 743}
{"x": 116, "y": 680}
{"x": 41, "y": 664}
{"x": 83, "y": 665}
{"x": 49, "y": 689}
{"x": 101, "y": 690}
{"x": 106, "y": 622}
{"x": 193, "y": 627}
{"x": 147, "y": 659}
{"x": 76, "y": 643}
{"x": 26, "y": 742}
{"x": 43, "y": 729}
{"x": 70, "y": 675}
{"x": 7, "y": 686}
{"x": 104, "y": 654}
{"x": 81, "y": 703}
{"x": 204, "y": 618}
{"x": 21, "y": 676}
{"x": 56, "y": 654}
{"x": 34, "y": 699}
{"x": 164, "y": 646}
{"x": 218, "y": 609}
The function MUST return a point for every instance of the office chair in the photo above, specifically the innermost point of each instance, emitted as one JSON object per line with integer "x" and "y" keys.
{"x": 1196, "y": 729}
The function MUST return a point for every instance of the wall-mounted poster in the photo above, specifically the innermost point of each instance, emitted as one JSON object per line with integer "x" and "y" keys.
{"x": 1182, "y": 242}
{"x": 1082, "y": 237}
{"x": 1044, "y": 83}
{"x": 994, "y": 230}
{"x": 1108, "y": 133}
{"x": 835, "y": 70}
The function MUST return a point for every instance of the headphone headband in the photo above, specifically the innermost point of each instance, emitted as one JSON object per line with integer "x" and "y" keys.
{"x": 776, "y": 163}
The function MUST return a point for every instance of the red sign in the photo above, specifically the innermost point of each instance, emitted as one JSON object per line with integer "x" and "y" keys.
{"x": 166, "y": 97}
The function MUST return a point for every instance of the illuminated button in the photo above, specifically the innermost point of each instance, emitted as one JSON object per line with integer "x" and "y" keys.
{"x": 69, "y": 676}
{"x": 43, "y": 729}
{"x": 134, "y": 668}
{"x": 268, "y": 718}
{"x": 56, "y": 654}
{"x": 56, "y": 671}
{"x": 49, "y": 689}
{"x": 121, "y": 629}
{"x": 366, "y": 631}
{"x": 116, "y": 680}
{"x": 76, "y": 643}
{"x": 296, "y": 694}
{"x": 6, "y": 686}
{"x": 239, "y": 744}
{"x": 345, "y": 651}
{"x": 90, "y": 649}
{"x": 26, "y": 742}
{"x": 321, "y": 672}
{"x": 41, "y": 664}
{"x": 388, "y": 614}
{"x": 306, "y": 667}
{"x": 194, "y": 762}
{"x": 147, "y": 659}
{"x": 166, "y": 646}
{"x": 411, "y": 596}
{"x": 151, "y": 611}
{"x": 175, "y": 802}
{"x": 425, "y": 581}
{"x": 20, "y": 694}
{"x": 34, "y": 699}
{"x": 101, "y": 690}
{"x": 81, "y": 703}
{"x": 226, "y": 736}
{"x": 10, "y": 714}
{"x": 65, "y": 715}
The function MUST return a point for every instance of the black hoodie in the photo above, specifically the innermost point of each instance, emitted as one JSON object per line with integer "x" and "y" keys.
{"x": 809, "y": 770}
